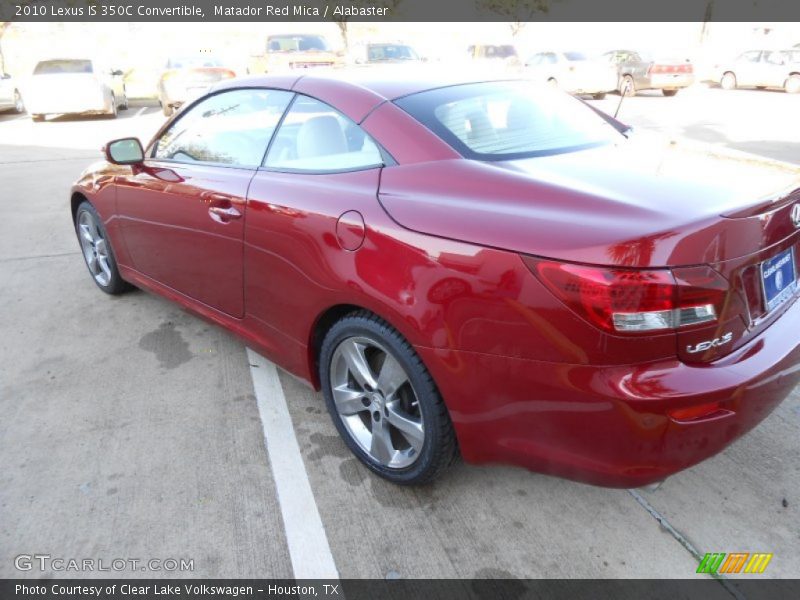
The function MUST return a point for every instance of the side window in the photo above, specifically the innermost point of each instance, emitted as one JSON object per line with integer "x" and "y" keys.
{"x": 315, "y": 137}
{"x": 230, "y": 128}
{"x": 752, "y": 56}
{"x": 549, "y": 59}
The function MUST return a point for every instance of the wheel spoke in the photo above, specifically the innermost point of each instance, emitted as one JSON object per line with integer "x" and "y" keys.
{"x": 391, "y": 377}
{"x": 410, "y": 428}
{"x": 86, "y": 233}
{"x": 353, "y": 354}
{"x": 381, "y": 447}
{"x": 348, "y": 401}
{"x": 92, "y": 261}
{"x": 105, "y": 268}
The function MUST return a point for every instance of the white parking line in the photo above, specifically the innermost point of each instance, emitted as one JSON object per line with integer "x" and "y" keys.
{"x": 140, "y": 111}
{"x": 305, "y": 535}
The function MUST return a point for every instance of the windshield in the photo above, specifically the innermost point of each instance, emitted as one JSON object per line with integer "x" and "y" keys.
{"x": 192, "y": 62}
{"x": 296, "y": 43}
{"x": 49, "y": 67}
{"x": 509, "y": 120}
{"x": 376, "y": 52}
{"x": 575, "y": 56}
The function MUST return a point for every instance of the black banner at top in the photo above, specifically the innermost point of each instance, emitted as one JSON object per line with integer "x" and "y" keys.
{"x": 400, "y": 10}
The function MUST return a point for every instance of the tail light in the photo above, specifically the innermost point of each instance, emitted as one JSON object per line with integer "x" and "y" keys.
{"x": 661, "y": 69}
{"x": 227, "y": 74}
{"x": 635, "y": 300}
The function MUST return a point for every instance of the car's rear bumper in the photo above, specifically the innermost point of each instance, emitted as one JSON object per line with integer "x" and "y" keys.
{"x": 77, "y": 102}
{"x": 669, "y": 81}
{"x": 610, "y": 425}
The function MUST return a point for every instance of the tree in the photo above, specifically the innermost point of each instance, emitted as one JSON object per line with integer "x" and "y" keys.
{"x": 343, "y": 21}
{"x": 518, "y": 12}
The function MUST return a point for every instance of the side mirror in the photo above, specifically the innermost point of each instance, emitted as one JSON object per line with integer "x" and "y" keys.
{"x": 127, "y": 151}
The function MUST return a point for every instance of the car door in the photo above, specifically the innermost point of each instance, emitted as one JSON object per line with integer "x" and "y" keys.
{"x": 749, "y": 68}
{"x": 306, "y": 212}
{"x": 182, "y": 213}
{"x": 6, "y": 91}
{"x": 775, "y": 69}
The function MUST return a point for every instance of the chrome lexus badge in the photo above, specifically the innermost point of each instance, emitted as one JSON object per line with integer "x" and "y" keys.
{"x": 796, "y": 215}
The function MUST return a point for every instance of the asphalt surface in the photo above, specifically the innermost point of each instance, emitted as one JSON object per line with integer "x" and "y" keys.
{"x": 131, "y": 429}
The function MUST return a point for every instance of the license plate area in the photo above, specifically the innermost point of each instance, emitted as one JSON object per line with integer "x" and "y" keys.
{"x": 778, "y": 279}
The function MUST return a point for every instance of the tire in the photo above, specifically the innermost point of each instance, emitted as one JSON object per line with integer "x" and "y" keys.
{"x": 792, "y": 85}
{"x": 124, "y": 105}
{"x": 37, "y": 118}
{"x": 627, "y": 87}
{"x": 424, "y": 444}
{"x": 728, "y": 81}
{"x": 599, "y": 96}
{"x": 669, "y": 93}
{"x": 19, "y": 105}
{"x": 552, "y": 82}
{"x": 97, "y": 252}
{"x": 114, "y": 112}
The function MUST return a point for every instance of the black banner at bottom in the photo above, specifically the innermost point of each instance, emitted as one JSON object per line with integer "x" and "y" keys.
{"x": 400, "y": 589}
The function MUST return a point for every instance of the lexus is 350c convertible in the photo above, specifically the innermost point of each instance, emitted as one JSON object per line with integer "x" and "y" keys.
{"x": 484, "y": 269}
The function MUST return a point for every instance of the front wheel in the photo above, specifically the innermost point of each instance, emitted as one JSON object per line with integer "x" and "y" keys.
{"x": 384, "y": 402}
{"x": 97, "y": 251}
{"x": 669, "y": 93}
{"x": 599, "y": 96}
{"x": 792, "y": 85}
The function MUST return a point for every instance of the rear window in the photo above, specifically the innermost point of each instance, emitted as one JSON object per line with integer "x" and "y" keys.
{"x": 296, "y": 43}
{"x": 50, "y": 67}
{"x": 377, "y": 52}
{"x": 509, "y": 120}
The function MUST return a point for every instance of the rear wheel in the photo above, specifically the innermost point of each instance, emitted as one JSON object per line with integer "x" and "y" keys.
{"x": 97, "y": 251}
{"x": 114, "y": 112}
{"x": 728, "y": 81}
{"x": 599, "y": 95}
{"x": 552, "y": 82}
{"x": 37, "y": 118}
{"x": 124, "y": 105}
{"x": 792, "y": 85}
{"x": 669, "y": 93}
{"x": 19, "y": 106}
{"x": 626, "y": 86}
{"x": 384, "y": 402}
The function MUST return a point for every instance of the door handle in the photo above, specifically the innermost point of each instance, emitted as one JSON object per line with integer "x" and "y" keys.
{"x": 223, "y": 214}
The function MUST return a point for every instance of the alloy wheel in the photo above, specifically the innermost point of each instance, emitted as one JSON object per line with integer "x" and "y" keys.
{"x": 18, "y": 104}
{"x": 95, "y": 249}
{"x": 376, "y": 402}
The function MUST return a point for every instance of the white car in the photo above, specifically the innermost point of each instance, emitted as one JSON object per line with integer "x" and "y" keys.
{"x": 762, "y": 69}
{"x": 74, "y": 86}
{"x": 10, "y": 95}
{"x": 574, "y": 72}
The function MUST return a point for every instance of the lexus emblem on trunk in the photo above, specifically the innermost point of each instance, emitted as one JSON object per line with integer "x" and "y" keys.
{"x": 796, "y": 215}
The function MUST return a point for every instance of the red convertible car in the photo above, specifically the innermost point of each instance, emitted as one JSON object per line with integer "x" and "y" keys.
{"x": 484, "y": 269}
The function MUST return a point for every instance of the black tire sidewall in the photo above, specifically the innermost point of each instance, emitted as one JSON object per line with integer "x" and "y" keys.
{"x": 424, "y": 387}
{"x": 116, "y": 284}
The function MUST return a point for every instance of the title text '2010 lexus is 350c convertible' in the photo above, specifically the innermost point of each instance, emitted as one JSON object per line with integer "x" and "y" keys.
{"x": 485, "y": 269}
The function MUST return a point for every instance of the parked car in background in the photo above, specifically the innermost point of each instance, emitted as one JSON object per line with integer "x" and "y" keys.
{"x": 490, "y": 268}
{"x": 10, "y": 94}
{"x": 289, "y": 51}
{"x": 187, "y": 77}
{"x": 574, "y": 72}
{"x": 636, "y": 72}
{"x": 494, "y": 53}
{"x": 74, "y": 86}
{"x": 374, "y": 53}
{"x": 761, "y": 69}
